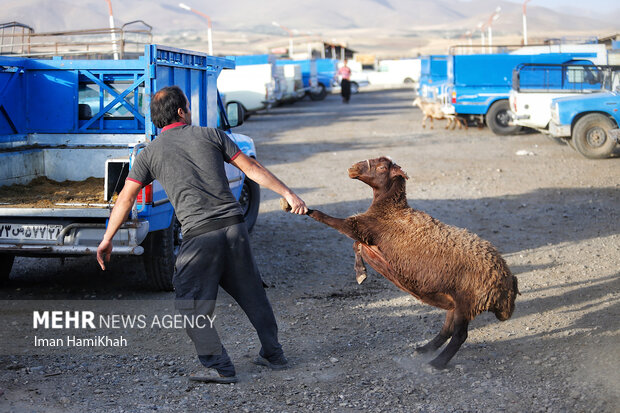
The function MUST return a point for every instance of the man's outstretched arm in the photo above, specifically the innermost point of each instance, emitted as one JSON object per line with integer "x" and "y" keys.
{"x": 119, "y": 215}
{"x": 262, "y": 176}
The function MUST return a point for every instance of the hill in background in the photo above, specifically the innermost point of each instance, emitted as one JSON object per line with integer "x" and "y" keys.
{"x": 385, "y": 27}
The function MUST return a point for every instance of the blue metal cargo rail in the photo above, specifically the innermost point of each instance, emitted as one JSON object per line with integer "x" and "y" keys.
{"x": 574, "y": 77}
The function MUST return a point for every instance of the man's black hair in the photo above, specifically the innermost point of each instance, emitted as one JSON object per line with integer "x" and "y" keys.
{"x": 165, "y": 105}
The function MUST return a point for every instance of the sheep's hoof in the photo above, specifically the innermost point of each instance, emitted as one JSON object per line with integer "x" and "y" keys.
{"x": 426, "y": 348}
{"x": 284, "y": 205}
{"x": 361, "y": 277}
{"x": 438, "y": 364}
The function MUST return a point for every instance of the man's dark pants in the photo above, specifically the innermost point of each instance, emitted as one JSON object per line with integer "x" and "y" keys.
{"x": 345, "y": 89}
{"x": 224, "y": 258}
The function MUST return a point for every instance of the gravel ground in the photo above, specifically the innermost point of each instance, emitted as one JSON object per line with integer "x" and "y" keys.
{"x": 552, "y": 214}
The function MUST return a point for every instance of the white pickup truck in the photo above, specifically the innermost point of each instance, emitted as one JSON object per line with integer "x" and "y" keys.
{"x": 534, "y": 86}
{"x": 255, "y": 84}
{"x": 396, "y": 72}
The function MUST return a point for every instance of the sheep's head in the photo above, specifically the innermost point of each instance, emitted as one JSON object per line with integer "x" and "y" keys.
{"x": 417, "y": 101}
{"x": 377, "y": 173}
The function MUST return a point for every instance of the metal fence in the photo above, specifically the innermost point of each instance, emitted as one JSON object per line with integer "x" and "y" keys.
{"x": 20, "y": 40}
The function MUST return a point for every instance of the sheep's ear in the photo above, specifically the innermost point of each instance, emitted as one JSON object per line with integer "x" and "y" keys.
{"x": 396, "y": 171}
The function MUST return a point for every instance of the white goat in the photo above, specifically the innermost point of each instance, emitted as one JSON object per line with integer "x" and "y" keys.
{"x": 432, "y": 110}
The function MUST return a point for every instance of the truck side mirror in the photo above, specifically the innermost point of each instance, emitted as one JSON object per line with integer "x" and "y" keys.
{"x": 235, "y": 114}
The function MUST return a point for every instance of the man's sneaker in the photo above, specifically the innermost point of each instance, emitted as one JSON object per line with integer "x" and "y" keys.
{"x": 280, "y": 365}
{"x": 209, "y": 375}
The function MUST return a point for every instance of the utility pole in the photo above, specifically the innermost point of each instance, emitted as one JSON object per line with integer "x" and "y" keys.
{"x": 209, "y": 25}
{"x": 493, "y": 17}
{"x": 481, "y": 28}
{"x": 112, "y": 30}
{"x": 525, "y": 22}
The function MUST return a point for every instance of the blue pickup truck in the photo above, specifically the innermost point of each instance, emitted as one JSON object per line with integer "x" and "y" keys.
{"x": 590, "y": 122}
{"x": 478, "y": 86}
{"x": 68, "y": 121}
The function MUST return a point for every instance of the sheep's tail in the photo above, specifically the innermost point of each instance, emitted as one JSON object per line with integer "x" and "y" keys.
{"x": 505, "y": 305}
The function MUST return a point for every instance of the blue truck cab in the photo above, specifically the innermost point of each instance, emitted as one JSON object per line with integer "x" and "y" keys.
{"x": 590, "y": 121}
{"x": 75, "y": 120}
{"x": 478, "y": 86}
{"x": 433, "y": 76}
{"x": 326, "y": 76}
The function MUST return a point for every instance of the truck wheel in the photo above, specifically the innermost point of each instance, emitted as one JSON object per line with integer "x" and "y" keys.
{"x": 408, "y": 81}
{"x": 354, "y": 88}
{"x": 160, "y": 252}
{"x": 591, "y": 136}
{"x": 321, "y": 94}
{"x": 6, "y": 264}
{"x": 250, "y": 201}
{"x": 497, "y": 119}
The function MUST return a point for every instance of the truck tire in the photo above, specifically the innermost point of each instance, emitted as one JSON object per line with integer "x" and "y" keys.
{"x": 497, "y": 119}
{"x": 591, "y": 136}
{"x": 355, "y": 88}
{"x": 320, "y": 95}
{"x": 6, "y": 264}
{"x": 160, "y": 252}
{"x": 250, "y": 201}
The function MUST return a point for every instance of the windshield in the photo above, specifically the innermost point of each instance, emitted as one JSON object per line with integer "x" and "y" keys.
{"x": 615, "y": 81}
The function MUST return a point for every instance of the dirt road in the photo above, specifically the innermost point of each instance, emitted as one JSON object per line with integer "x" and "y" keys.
{"x": 553, "y": 214}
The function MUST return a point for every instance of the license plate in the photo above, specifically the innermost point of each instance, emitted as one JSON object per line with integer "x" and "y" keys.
{"x": 23, "y": 232}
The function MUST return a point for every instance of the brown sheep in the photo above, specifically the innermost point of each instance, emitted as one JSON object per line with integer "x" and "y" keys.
{"x": 441, "y": 265}
{"x": 432, "y": 110}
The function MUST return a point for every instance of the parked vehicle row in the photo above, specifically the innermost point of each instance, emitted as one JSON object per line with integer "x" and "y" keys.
{"x": 565, "y": 91}
{"x": 262, "y": 81}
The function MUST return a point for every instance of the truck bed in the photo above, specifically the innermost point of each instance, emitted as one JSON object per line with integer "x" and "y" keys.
{"x": 43, "y": 192}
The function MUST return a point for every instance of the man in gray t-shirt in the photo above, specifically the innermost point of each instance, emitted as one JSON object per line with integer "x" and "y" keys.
{"x": 189, "y": 163}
